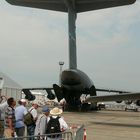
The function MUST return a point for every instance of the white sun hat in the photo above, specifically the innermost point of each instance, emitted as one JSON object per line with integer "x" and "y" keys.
{"x": 56, "y": 111}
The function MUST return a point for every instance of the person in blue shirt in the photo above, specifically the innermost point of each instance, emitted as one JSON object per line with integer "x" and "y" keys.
{"x": 19, "y": 114}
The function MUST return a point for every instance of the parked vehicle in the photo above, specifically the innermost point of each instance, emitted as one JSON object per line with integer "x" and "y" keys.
{"x": 132, "y": 107}
{"x": 101, "y": 106}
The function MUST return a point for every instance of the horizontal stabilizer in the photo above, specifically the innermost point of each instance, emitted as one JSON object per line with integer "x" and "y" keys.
{"x": 119, "y": 97}
{"x": 79, "y": 5}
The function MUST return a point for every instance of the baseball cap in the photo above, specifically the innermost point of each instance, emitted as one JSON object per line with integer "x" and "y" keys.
{"x": 45, "y": 109}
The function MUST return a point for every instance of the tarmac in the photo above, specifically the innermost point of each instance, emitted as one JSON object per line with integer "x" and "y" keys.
{"x": 107, "y": 125}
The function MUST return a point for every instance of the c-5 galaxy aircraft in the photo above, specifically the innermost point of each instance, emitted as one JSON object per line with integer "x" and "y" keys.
{"x": 74, "y": 82}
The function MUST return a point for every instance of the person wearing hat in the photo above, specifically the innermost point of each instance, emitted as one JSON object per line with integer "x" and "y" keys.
{"x": 55, "y": 114}
{"x": 19, "y": 114}
{"x": 33, "y": 111}
{"x": 40, "y": 128}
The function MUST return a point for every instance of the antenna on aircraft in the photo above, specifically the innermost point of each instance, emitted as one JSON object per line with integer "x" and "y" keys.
{"x": 61, "y": 63}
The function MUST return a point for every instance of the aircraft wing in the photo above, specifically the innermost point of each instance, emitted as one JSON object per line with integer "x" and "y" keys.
{"x": 39, "y": 88}
{"x": 119, "y": 97}
{"x": 56, "y": 89}
{"x": 78, "y": 5}
{"x": 112, "y": 90}
{"x": 30, "y": 96}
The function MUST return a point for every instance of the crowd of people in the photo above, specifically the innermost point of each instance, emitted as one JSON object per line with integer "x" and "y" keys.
{"x": 13, "y": 122}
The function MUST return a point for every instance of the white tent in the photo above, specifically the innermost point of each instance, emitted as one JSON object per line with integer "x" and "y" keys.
{"x": 10, "y": 87}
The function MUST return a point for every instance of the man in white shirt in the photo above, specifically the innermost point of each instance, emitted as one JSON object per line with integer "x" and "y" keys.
{"x": 33, "y": 111}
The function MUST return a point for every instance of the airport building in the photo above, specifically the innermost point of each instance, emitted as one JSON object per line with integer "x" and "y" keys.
{"x": 10, "y": 87}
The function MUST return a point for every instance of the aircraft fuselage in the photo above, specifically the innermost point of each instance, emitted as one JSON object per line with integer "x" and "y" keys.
{"x": 74, "y": 83}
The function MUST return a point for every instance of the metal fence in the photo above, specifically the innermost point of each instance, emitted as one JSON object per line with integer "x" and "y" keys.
{"x": 79, "y": 134}
{"x": 72, "y": 134}
{"x": 56, "y": 136}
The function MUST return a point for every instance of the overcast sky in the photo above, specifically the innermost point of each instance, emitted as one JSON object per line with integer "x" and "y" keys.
{"x": 33, "y": 41}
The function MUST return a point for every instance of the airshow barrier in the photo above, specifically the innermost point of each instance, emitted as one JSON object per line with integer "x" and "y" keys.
{"x": 74, "y": 133}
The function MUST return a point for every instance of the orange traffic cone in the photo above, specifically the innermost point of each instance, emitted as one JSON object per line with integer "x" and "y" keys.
{"x": 85, "y": 134}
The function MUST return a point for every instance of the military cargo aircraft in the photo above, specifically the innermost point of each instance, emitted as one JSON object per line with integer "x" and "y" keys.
{"x": 74, "y": 82}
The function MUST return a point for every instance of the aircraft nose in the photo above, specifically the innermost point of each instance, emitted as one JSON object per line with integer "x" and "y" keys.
{"x": 70, "y": 78}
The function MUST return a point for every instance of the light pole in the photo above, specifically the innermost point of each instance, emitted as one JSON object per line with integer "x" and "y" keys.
{"x": 61, "y": 63}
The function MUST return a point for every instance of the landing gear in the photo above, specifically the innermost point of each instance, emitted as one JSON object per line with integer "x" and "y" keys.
{"x": 80, "y": 107}
{"x": 72, "y": 108}
{"x": 85, "y": 107}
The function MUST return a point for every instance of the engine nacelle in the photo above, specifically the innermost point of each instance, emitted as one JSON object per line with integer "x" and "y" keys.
{"x": 118, "y": 102}
{"x": 28, "y": 95}
{"x": 51, "y": 96}
{"x": 128, "y": 102}
{"x": 138, "y": 102}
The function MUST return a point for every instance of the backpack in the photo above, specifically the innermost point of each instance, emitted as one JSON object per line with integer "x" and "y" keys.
{"x": 53, "y": 126}
{"x": 28, "y": 118}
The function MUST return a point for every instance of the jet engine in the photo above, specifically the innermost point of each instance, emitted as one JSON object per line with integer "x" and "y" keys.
{"x": 128, "y": 102}
{"x": 50, "y": 95}
{"x": 118, "y": 102}
{"x": 28, "y": 95}
{"x": 138, "y": 102}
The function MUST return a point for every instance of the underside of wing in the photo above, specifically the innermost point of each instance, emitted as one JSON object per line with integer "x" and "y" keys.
{"x": 112, "y": 90}
{"x": 56, "y": 5}
{"x": 30, "y": 96}
{"x": 119, "y": 97}
{"x": 78, "y": 5}
{"x": 40, "y": 88}
{"x": 88, "y": 5}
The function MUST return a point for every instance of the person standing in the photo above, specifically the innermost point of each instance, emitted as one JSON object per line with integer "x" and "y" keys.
{"x": 31, "y": 127}
{"x": 55, "y": 124}
{"x": 19, "y": 114}
{"x": 41, "y": 122}
{"x": 10, "y": 118}
{"x": 3, "y": 107}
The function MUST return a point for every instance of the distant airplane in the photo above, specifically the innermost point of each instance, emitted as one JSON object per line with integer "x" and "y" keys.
{"x": 74, "y": 82}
